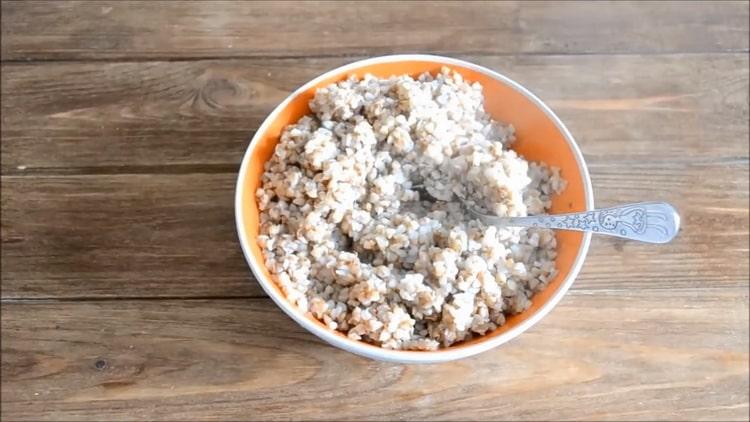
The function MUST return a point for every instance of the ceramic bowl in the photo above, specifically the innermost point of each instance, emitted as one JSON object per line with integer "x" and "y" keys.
{"x": 541, "y": 136}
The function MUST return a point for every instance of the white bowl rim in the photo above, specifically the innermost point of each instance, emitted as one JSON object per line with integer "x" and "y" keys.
{"x": 402, "y": 356}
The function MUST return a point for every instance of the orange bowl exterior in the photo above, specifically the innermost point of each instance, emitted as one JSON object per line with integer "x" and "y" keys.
{"x": 540, "y": 137}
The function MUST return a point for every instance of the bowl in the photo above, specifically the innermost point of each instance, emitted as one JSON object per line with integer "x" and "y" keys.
{"x": 541, "y": 136}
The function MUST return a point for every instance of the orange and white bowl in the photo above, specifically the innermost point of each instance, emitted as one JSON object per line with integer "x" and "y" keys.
{"x": 541, "y": 136}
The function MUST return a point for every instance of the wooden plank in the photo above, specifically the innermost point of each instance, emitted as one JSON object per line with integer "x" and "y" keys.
{"x": 671, "y": 354}
{"x": 174, "y": 236}
{"x": 125, "y": 235}
{"x": 125, "y": 117}
{"x": 114, "y": 30}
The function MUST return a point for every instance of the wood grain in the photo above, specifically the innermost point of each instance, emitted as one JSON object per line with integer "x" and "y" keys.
{"x": 174, "y": 235}
{"x": 114, "y": 30}
{"x": 122, "y": 235}
{"x": 123, "y": 289}
{"x": 140, "y": 117}
{"x": 641, "y": 354}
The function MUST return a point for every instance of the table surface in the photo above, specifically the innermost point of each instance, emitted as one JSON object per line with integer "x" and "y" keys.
{"x": 124, "y": 291}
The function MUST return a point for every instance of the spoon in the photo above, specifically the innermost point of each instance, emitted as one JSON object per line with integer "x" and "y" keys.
{"x": 651, "y": 222}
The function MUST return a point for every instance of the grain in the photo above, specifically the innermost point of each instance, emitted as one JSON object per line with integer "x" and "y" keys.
{"x": 349, "y": 239}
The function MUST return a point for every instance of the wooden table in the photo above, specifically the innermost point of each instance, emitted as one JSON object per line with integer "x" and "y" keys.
{"x": 124, "y": 291}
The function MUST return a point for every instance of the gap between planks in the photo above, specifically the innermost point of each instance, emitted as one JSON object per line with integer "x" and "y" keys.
{"x": 572, "y": 292}
{"x": 228, "y": 168}
{"x": 165, "y": 169}
{"x": 357, "y": 56}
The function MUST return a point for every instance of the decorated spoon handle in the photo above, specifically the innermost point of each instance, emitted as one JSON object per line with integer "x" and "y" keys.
{"x": 652, "y": 222}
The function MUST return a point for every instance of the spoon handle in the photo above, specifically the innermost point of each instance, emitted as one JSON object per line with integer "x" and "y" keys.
{"x": 652, "y": 222}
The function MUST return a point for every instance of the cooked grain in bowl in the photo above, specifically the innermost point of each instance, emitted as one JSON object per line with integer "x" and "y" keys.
{"x": 349, "y": 240}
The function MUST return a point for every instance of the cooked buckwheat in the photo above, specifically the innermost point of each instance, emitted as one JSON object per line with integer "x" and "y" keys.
{"x": 351, "y": 242}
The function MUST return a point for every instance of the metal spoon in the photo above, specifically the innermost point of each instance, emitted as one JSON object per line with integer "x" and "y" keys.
{"x": 651, "y": 222}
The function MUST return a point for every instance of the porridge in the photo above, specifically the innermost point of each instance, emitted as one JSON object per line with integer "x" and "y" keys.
{"x": 350, "y": 237}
